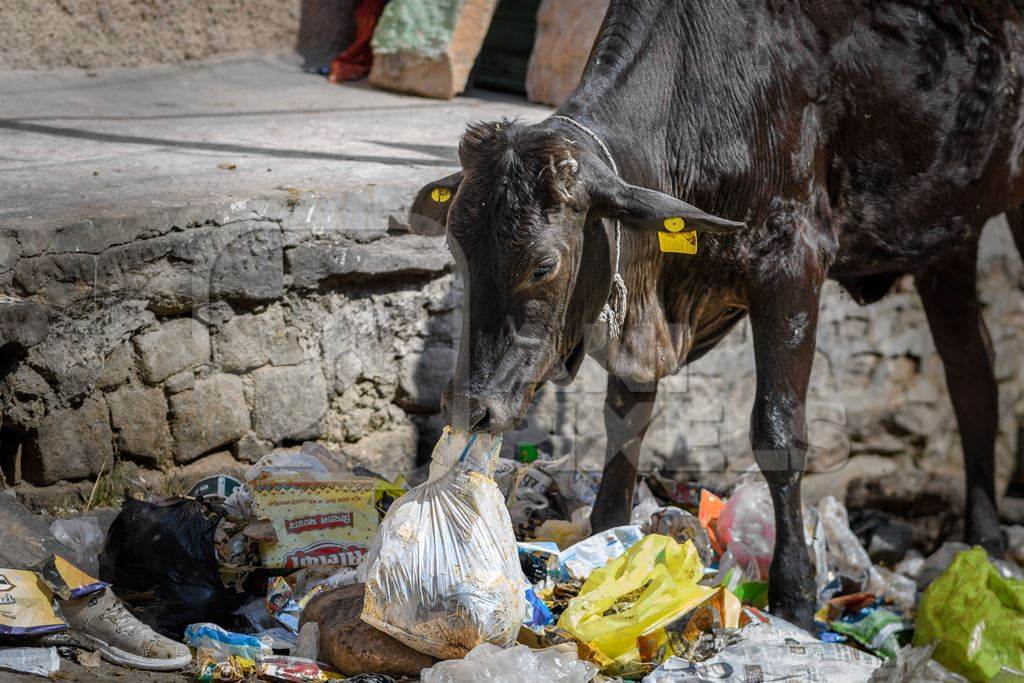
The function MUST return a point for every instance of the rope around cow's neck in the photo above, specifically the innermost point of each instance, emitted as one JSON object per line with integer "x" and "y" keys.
{"x": 614, "y": 313}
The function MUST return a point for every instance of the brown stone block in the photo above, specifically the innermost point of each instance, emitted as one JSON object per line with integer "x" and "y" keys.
{"x": 354, "y": 647}
{"x": 442, "y": 75}
{"x": 566, "y": 30}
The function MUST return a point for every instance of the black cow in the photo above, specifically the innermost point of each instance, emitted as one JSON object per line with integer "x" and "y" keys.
{"x": 858, "y": 140}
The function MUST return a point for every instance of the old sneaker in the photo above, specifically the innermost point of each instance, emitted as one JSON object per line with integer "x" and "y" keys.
{"x": 101, "y": 622}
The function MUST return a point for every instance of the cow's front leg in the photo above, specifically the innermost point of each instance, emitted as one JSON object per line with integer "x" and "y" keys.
{"x": 783, "y": 317}
{"x": 627, "y": 414}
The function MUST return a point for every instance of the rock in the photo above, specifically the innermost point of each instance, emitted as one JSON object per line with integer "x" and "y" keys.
{"x": 566, "y": 30}
{"x": 22, "y": 323}
{"x": 250, "y": 268}
{"x": 211, "y": 415}
{"x": 175, "y": 384}
{"x": 69, "y": 444}
{"x": 354, "y": 647}
{"x": 177, "y": 345}
{"x": 429, "y": 48}
{"x": 181, "y": 479}
{"x": 345, "y": 261}
{"x": 139, "y": 419}
{"x": 251, "y": 448}
{"x": 72, "y": 356}
{"x": 214, "y": 314}
{"x": 932, "y": 503}
{"x": 179, "y": 272}
{"x": 27, "y": 537}
{"x": 139, "y": 481}
{"x": 890, "y": 543}
{"x": 422, "y": 376}
{"x": 307, "y": 645}
{"x": 835, "y": 482}
{"x": 289, "y": 403}
{"x": 116, "y": 368}
{"x": 355, "y": 345}
{"x": 389, "y": 453}
{"x": 24, "y": 397}
{"x": 59, "y": 496}
{"x": 249, "y": 341}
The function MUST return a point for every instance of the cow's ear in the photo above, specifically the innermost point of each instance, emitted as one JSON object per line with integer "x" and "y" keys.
{"x": 429, "y": 213}
{"x": 653, "y": 210}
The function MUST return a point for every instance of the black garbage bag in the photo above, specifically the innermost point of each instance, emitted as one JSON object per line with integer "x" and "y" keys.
{"x": 160, "y": 560}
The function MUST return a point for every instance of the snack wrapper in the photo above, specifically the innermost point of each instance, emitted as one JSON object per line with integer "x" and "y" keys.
{"x": 26, "y": 605}
{"x": 318, "y": 519}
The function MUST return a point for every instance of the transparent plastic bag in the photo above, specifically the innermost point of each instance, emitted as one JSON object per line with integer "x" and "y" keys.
{"x": 845, "y": 551}
{"x": 747, "y": 528}
{"x": 489, "y": 664}
{"x": 85, "y": 538}
{"x": 443, "y": 574}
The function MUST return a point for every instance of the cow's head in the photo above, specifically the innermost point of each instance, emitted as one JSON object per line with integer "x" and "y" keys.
{"x": 523, "y": 221}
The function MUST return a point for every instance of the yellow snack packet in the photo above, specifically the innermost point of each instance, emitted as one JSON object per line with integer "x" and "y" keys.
{"x": 26, "y": 605}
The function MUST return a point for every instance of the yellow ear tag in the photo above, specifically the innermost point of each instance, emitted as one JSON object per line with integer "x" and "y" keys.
{"x": 675, "y": 241}
{"x": 440, "y": 194}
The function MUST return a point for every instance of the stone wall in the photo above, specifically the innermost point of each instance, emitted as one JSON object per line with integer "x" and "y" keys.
{"x": 194, "y": 341}
{"x": 91, "y": 34}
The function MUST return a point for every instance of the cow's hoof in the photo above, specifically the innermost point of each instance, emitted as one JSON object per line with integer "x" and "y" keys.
{"x": 993, "y": 541}
{"x": 982, "y": 529}
{"x": 797, "y": 612}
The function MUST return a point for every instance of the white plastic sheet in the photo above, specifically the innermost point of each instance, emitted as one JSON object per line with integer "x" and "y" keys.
{"x": 598, "y": 550}
{"x": 41, "y": 661}
{"x": 773, "y": 651}
{"x": 443, "y": 574}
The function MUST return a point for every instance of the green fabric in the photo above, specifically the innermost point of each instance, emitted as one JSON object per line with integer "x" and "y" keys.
{"x": 975, "y": 616}
{"x": 424, "y": 28}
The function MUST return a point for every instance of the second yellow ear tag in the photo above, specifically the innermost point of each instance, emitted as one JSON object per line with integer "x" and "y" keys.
{"x": 675, "y": 241}
{"x": 440, "y": 194}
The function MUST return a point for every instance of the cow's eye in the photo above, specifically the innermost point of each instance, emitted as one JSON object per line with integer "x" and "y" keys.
{"x": 543, "y": 270}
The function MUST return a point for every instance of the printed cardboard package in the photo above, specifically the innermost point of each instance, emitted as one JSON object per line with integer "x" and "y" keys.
{"x": 319, "y": 519}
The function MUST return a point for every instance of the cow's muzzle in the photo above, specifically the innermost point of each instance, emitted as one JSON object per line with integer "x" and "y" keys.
{"x": 473, "y": 412}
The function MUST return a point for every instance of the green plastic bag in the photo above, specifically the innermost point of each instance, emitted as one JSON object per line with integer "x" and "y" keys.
{"x": 652, "y": 584}
{"x": 975, "y": 617}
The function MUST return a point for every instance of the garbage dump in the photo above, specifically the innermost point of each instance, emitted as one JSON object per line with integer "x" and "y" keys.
{"x": 489, "y": 571}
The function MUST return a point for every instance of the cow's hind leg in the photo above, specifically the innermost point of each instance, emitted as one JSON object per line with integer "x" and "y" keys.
{"x": 627, "y": 414}
{"x": 783, "y": 316}
{"x": 948, "y": 292}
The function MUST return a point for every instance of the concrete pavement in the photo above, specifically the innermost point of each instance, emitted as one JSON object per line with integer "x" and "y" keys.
{"x": 97, "y": 146}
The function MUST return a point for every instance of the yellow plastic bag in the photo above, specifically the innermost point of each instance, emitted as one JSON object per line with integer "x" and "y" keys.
{"x": 649, "y": 586}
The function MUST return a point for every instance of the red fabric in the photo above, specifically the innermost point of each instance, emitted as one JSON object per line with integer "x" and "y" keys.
{"x": 355, "y": 62}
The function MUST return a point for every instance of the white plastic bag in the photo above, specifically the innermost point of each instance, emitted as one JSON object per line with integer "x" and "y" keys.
{"x": 443, "y": 574}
